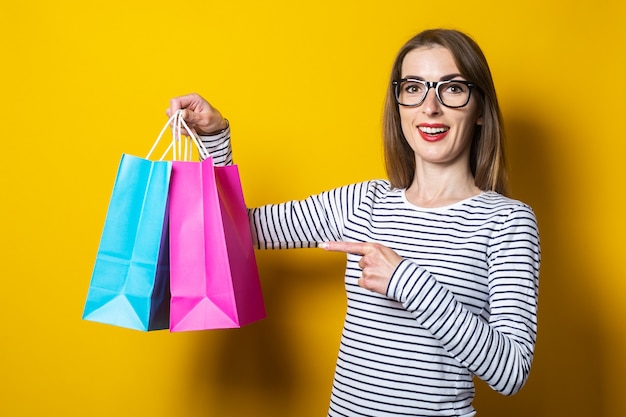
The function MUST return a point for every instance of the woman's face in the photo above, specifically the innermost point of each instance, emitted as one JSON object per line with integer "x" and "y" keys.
{"x": 437, "y": 134}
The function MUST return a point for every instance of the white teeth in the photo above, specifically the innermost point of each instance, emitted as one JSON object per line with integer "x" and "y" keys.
{"x": 432, "y": 130}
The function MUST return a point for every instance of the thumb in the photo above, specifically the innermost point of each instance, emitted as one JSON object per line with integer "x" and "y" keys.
{"x": 189, "y": 116}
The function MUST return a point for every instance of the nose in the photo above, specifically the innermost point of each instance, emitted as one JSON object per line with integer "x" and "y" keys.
{"x": 431, "y": 105}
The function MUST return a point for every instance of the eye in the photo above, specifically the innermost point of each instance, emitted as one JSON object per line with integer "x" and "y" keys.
{"x": 455, "y": 88}
{"x": 412, "y": 87}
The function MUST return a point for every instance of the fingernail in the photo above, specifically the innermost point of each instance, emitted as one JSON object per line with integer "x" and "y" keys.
{"x": 322, "y": 245}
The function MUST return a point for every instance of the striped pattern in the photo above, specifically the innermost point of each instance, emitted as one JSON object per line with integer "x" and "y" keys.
{"x": 219, "y": 147}
{"x": 462, "y": 303}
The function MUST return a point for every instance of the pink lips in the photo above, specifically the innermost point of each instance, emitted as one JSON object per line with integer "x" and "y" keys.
{"x": 433, "y": 132}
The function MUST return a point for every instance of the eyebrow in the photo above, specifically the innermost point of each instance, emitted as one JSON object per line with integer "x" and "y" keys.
{"x": 447, "y": 77}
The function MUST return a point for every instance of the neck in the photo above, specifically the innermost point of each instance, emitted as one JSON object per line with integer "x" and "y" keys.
{"x": 441, "y": 187}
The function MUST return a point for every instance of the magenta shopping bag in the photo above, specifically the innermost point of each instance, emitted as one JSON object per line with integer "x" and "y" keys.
{"x": 214, "y": 280}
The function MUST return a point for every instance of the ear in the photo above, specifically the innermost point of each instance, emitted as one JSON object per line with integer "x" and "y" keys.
{"x": 479, "y": 121}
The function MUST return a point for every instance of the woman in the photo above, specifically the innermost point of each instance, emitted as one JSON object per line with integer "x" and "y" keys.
{"x": 442, "y": 268}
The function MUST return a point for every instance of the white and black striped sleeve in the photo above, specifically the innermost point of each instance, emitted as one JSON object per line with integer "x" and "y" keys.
{"x": 219, "y": 147}
{"x": 501, "y": 351}
{"x": 305, "y": 223}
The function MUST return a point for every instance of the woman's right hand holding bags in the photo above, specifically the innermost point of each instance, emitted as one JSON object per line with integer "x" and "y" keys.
{"x": 199, "y": 115}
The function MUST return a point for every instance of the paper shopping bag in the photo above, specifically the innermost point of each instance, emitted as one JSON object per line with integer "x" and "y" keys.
{"x": 129, "y": 285}
{"x": 214, "y": 278}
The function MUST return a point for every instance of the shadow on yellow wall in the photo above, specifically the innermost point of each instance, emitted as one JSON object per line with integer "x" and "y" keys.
{"x": 568, "y": 375}
{"x": 266, "y": 368}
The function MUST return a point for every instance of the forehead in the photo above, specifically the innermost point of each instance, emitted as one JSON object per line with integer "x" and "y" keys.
{"x": 429, "y": 63}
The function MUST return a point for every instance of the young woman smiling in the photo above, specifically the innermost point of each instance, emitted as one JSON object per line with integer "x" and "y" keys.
{"x": 442, "y": 267}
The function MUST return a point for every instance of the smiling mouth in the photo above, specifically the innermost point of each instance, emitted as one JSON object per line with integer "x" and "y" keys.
{"x": 433, "y": 130}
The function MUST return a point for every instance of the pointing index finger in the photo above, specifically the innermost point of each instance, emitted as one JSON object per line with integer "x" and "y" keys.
{"x": 357, "y": 248}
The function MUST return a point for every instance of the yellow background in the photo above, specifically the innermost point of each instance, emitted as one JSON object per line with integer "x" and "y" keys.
{"x": 302, "y": 84}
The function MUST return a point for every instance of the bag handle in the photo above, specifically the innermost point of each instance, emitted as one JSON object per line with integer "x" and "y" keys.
{"x": 177, "y": 139}
{"x": 178, "y": 123}
{"x": 158, "y": 139}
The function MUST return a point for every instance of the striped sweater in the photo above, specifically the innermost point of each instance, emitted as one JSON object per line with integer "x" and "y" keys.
{"x": 462, "y": 302}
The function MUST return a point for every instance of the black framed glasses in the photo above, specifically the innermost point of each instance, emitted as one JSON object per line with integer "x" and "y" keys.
{"x": 451, "y": 93}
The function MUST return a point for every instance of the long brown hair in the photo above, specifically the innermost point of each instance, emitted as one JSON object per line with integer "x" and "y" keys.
{"x": 487, "y": 160}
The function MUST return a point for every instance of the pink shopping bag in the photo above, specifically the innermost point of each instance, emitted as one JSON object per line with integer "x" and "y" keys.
{"x": 214, "y": 279}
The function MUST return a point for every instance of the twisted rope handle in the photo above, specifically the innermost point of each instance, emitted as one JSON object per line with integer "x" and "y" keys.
{"x": 179, "y": 125}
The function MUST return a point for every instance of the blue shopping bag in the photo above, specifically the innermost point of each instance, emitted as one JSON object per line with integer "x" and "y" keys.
{"x": 130, "y": 281}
